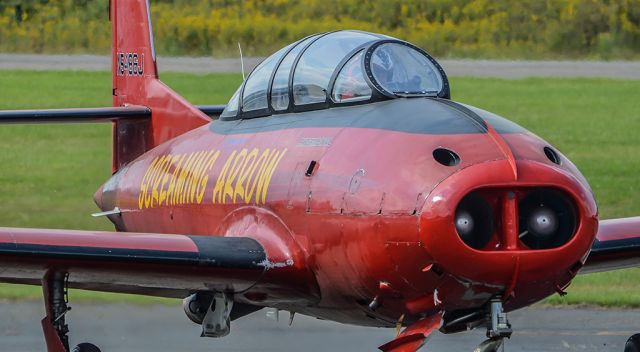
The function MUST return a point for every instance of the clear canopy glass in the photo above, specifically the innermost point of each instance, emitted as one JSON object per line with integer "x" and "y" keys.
{"x": 313, "y": 72}
{"x": 280, "y": 87}
{"x": 255, "y": 90}
{"x": 231, "y": 109}
{"x": 403, "y": 70}
{"x": 342, "y": 67}
{"x": 350, "y": 84}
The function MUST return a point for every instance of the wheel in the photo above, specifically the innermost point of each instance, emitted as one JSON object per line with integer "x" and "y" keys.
{"x": 633, "y": 344}
{"x": 86, "y": 347}
{"x": 490, "y": 345}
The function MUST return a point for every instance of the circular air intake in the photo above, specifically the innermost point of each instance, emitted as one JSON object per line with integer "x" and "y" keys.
{"x": 474, "y": 221}
{"x": 547, "y": 219}
{"x": 552, "y": 155}
{"x": 446, "y": 157}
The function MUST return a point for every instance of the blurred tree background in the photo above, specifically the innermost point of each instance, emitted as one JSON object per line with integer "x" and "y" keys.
{"x": 524, "y": 29}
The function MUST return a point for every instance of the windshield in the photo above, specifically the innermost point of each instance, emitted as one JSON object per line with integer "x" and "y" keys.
{"x": 404, "y": 71}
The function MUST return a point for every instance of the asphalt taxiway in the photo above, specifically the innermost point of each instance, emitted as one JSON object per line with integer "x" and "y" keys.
{"x": 147, "y": 328}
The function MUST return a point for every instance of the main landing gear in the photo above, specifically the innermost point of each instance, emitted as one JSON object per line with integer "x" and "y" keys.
{"x": 56, "y": 299}
{"x": 498, "y": 328}
{"x": 212, "y": 311}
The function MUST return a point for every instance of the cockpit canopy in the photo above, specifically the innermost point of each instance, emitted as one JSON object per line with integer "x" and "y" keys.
{"x": 337, "y": 69}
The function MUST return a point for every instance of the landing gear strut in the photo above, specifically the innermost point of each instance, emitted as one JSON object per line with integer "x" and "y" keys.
{"x": 498, "y": 327}
{"x": 56, "y": 299}
{"x": 217, "y": 321}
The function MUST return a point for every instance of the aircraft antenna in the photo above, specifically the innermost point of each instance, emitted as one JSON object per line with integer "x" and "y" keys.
{"x": 241, "y": 60}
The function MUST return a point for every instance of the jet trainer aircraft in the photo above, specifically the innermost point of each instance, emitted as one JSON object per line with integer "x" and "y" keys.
{"x": 340, "y": 182}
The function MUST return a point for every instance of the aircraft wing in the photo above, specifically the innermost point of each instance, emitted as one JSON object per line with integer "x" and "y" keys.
{"x": 101, "y": 114}
{"x": 617, "y": 246}
{"x": 140, "y": 263}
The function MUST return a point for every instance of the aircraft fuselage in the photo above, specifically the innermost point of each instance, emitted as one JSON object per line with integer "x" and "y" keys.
{"x": 356, "y": 195}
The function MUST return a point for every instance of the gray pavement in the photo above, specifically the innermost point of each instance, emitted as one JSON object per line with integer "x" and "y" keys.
{"x": 123, "y": 327}
{"x": 476, "y": 68}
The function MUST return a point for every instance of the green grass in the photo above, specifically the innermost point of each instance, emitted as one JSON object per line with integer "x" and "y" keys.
{"x": 48, "y": 173}
{"x": 33, "y": 293}
{"x": 613, "y": 289}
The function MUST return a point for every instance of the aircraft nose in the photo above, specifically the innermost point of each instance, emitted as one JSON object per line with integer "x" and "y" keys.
{"x": 97, "y": 198}
{"x": 106, "y": 196}
{"x": 486, "y": 228}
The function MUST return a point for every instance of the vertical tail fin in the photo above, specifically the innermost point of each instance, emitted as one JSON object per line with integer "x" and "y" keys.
{"x": 136, "y": 82}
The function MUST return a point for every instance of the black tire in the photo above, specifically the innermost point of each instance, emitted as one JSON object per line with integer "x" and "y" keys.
{"x": 633, "y": 344}
{"x": 86, "y": 347}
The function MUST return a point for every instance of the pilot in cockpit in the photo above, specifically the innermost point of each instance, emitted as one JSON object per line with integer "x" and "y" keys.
{"x": 382, "y": 66}
{"x": 349, "y": 88}
{"x": 393, "y": 69}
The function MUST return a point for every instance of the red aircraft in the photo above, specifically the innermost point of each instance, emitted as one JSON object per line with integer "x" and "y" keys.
{"x": 340, "y": 182}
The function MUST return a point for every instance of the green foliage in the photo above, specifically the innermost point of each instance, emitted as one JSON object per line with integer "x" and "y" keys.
{"x": 463, "y": 28}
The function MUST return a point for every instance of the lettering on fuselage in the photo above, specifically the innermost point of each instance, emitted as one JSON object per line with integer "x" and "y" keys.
{"x": 177, "y": 179}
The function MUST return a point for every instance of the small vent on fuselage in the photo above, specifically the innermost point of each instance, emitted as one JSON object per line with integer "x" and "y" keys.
{"x": 446, "y": 157}
{"x": 552, "y": 155}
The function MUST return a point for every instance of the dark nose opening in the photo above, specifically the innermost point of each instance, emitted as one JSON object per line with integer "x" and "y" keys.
{"x": 474, "y": 221}
{"x": 547, "y": 219}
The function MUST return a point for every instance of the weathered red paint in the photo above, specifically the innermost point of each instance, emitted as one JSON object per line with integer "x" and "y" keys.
{"x": 399, "y": 221}
{"x": 620, "y": 236}
{"x": 618, "y": 229}
{"x": 97, "y": 239}
{"x": 377, "y": 208}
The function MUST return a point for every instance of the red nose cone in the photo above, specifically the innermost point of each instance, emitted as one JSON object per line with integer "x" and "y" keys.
{"x": 504, "y": 264}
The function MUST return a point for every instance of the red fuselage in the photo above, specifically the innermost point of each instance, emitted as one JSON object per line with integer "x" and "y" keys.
{"x": 355, "y": 195}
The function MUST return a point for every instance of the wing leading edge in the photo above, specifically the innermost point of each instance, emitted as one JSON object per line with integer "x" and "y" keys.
{"x": 140, "y": 263}
{"x": 81, "y": 115}
{"x": 617, "y": 246}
